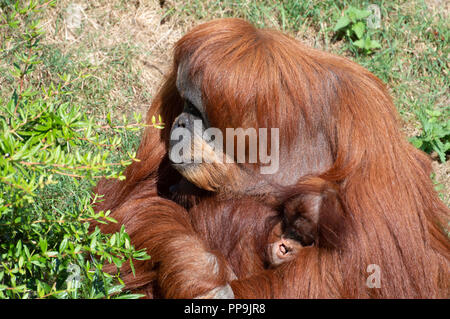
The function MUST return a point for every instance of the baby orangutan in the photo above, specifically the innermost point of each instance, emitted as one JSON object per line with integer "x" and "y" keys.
{"x": 255, "y": 233}
{"x": 311, "y": 216}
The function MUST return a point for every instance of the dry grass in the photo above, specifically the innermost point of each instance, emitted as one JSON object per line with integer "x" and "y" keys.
{"x": 109, "y": 29}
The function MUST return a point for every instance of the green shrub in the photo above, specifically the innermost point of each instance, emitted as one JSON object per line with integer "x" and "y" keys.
{"x": 51, "y": 155}
{"x": 436, "y": 133}
{"x": 353, "y": 27}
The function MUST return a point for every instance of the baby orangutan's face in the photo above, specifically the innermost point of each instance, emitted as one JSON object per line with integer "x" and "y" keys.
{"x": 280, "y": 248}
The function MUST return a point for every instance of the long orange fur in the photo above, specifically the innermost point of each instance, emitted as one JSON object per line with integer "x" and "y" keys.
{"x": 337, "y": 121}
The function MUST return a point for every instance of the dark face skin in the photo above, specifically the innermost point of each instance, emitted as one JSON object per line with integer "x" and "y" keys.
{"x": 221, "y": 176}
{"x": 301, "y": 218}
{"x": 193, "y": 109}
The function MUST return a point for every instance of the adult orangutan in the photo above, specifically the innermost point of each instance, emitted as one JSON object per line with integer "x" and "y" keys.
{"x": 336, "y": 122}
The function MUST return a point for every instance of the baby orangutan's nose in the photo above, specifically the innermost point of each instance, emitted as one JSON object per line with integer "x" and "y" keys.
{"x": 283, "y": 248}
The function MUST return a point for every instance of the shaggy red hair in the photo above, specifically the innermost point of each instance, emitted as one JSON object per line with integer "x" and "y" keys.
{"x": 337, "y": 121}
